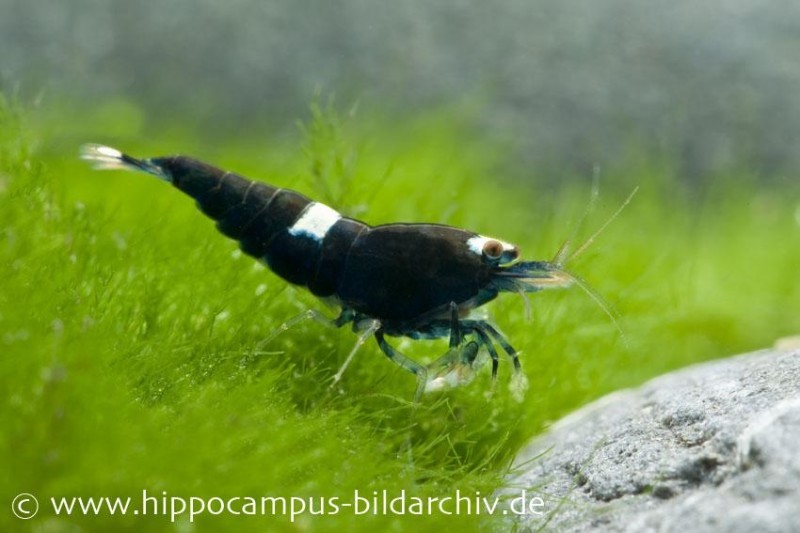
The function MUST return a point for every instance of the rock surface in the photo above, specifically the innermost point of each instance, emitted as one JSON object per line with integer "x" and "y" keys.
{"x": 713, "y": 447}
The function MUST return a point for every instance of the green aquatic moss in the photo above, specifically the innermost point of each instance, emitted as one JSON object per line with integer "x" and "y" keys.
{"x": 139, "y": 349}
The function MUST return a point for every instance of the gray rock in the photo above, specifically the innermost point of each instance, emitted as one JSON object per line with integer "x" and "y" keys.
{"x": 713, "y": 447}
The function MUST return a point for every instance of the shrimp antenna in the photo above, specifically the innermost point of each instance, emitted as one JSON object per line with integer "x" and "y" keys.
{"x": 562, "y": 257}
{"x": 607, "y": 308}
{"x": 559, "y": 259}
{"x": 561, "y": 254}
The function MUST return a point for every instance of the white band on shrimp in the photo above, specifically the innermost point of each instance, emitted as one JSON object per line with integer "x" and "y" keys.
{"x": 315, "y": 221}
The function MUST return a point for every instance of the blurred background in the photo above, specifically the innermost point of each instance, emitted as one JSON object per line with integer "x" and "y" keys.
{"x": 561, "y": 86}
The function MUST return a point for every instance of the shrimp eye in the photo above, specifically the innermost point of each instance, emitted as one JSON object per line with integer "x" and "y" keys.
{"x": 493, "y": 249}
